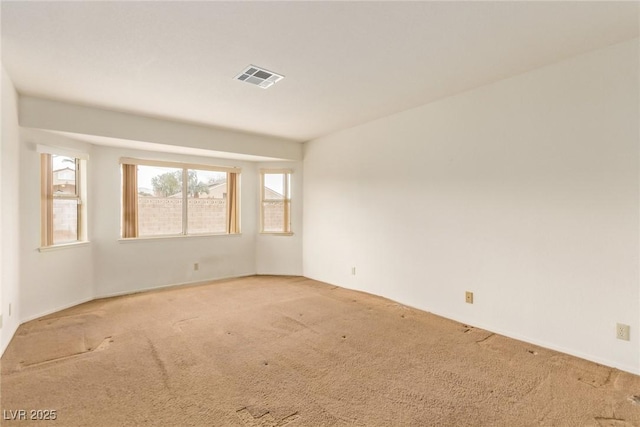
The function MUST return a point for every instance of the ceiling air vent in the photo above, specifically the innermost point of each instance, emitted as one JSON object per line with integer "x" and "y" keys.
{"x": 259, "y": 77}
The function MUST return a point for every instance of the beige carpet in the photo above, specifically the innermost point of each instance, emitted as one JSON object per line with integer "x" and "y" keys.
{"x": 275, "y": 351}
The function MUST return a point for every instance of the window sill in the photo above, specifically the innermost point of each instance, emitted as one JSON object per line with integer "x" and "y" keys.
{"x": 192, "y": 236}
{"x": 266, "y": 233}
{"x": 63, "y": 246}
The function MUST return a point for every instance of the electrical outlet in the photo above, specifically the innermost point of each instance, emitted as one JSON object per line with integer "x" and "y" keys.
{"x": 622, "y": 332}
{"x": 9, "y": 309}
{"x": 353, "y": 271}
{"x": 468, "y": 297}
{"x": 196, "y": 266}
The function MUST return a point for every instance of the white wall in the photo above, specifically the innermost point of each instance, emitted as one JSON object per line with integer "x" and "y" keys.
{"x": 128, "y": 266}
{"x": 279, "y": 254}
{"x": 525, "y": 192}
{"x": 9, "y": 213}
{"x": 53, "y": 279}
{"x": 60, "y": 116}
{"x": 42, "y": 282}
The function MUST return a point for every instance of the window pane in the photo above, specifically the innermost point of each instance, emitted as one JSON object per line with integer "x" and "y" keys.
{"x": 65, "y": 220}
{"x": 159, "y": 201}
{"x": 276, "y": 203}
{"x": 273, "y": 216}
{"x": 274, "y": 186}
{"x": 207, "y": 202}
{"x": 64, "y": 175}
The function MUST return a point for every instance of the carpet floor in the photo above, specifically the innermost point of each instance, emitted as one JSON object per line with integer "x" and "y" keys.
{"x": 274, "y": 351}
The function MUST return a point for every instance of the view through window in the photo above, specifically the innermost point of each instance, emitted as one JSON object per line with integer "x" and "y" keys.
{"x": 62, "y": 194}
{"x": 276, "y": 201}
{"x": 179, "y": 201}
{"x": 66, "y": 199}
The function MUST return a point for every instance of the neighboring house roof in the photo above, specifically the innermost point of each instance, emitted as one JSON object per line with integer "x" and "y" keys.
{"x": 57, "y": 172}
{"x": 61, "y": 180}
{"x": 272, "y": 194}
{"x": 63, "y": 169}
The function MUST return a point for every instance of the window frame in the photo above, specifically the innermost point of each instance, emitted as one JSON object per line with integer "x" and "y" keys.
{"x": 232, "y": 227}
{"x": 47, "y": 196}
{"x": 287, "y": 227}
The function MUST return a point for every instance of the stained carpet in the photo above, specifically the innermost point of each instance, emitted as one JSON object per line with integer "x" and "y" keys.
{"x": 276, "y": 351}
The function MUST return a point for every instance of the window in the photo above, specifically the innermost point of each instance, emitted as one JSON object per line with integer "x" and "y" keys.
{"x": 175, "y": 199}
{"x": 63, "y": 209}
{"x": 275, "y": 201}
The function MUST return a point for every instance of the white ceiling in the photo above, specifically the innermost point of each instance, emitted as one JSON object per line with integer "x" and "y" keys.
{"x": 345, "y": 62}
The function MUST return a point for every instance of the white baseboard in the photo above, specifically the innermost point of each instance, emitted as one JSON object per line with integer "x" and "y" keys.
{"x": 11, "y": 335}
{"x": 115, "y": 294}
{"x": 174, "y": 285}
{"x": 540, "y": 343}
{"x": 36, "y": 316}
{"x": 54, "y": 310}
{"x": 509, "y": 334}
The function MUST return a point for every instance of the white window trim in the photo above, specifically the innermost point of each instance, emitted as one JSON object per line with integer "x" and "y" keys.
{"x": 179, "y": 165}
{"x": 64, "y": 246}
{"x": 58, "y": 151}
{"x": 81, "y": 196}
{"x": 287, "y": 190}
{"x": 185, "y": 168}
{"x": 175, "y": 236}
